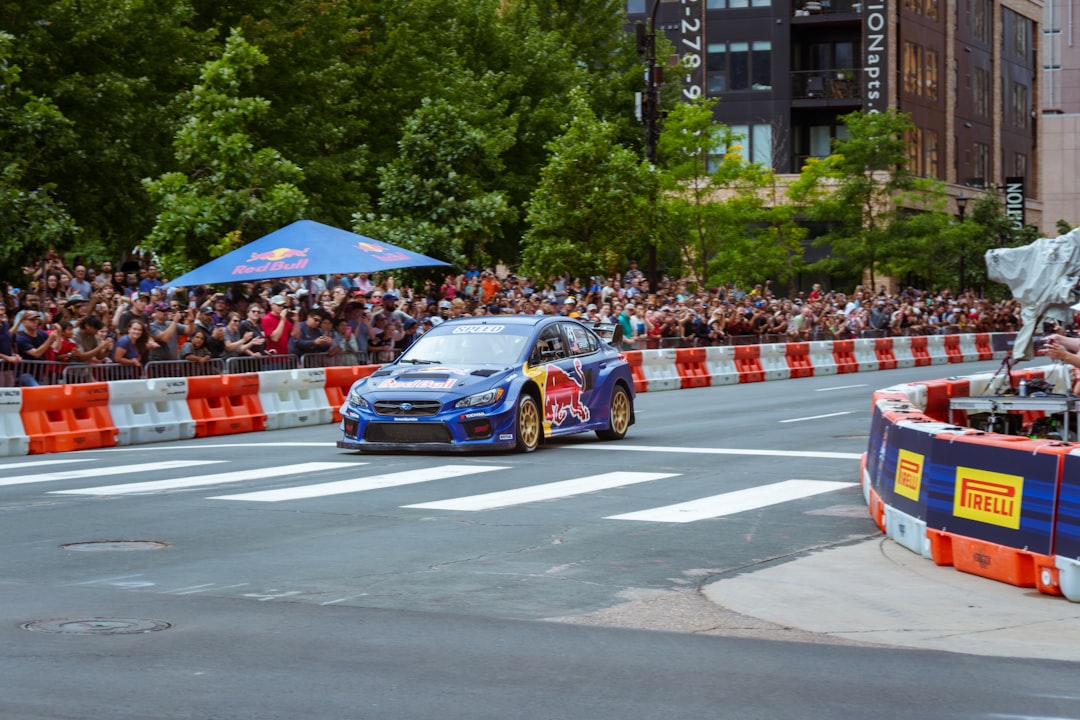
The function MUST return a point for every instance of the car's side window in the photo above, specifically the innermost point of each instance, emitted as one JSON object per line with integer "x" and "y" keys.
{"x": 579, "y": 341}
{"x": 549, "y": 346}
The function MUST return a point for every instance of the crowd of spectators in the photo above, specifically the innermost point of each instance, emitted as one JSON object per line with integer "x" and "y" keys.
{"x": 129, "y": 317}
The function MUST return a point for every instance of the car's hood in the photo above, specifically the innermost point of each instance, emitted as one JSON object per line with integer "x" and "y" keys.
{"x": 440, "y": 379}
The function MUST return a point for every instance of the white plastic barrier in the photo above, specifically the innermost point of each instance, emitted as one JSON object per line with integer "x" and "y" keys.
{"x": 720, "y": 360}
{"x": 661, "y": 370}
{"x": 294, "y": 398}
{"x": 774, "y": 361}
{"x": 822, "y": 358}
{"x": 968, "y": 348}
{"x": 13, "y": 437}
{"x": 935, "y": 345}
{"x": 865, "y": 355}
{"x": 147, "y": 411}
{"x": 902, "y": 352}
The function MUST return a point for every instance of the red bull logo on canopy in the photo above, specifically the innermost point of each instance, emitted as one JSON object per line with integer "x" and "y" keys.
{"x": 380, "y": 253}
{"x": 273, "y": 261}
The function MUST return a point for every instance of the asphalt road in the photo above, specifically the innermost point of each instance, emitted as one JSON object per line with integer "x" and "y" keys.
{"x": 410, "y": 586}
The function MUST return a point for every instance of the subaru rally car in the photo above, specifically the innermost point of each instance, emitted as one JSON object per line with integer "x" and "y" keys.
{"x": 497, "y": 382}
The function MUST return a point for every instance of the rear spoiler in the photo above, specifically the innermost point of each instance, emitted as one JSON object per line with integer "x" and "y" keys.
{"x": 611, "y": 333}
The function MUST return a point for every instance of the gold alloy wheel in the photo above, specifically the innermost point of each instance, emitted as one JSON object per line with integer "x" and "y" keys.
{"x": 619, "y": 415}
{"x": 529, "y": 427}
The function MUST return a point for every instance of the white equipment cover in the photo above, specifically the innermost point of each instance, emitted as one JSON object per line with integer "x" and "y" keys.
{"x": 1042, "y": 277}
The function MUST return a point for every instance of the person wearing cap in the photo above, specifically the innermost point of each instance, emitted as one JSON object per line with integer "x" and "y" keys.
{"x": 632, "y": 273}
{"x": 31, "y": 342}
{"x": 409, "y": 328}
{"x": 277, "y": 327}
{"x": 310, "y": 338}
{"x": 136, "y": 310}
{"x": 165, "y": 328}
{"x": 388, "y": 307}
{"x": 9, "y": 353}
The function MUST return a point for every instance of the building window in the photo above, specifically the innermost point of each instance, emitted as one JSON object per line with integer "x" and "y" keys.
{"x": 635, "y": 6}
{"x": 910, "y": 68}
{"x": 913, "y": 141}
{"x": 981, "y": 161}
{"x": 981, "y": 91}
{"x": 1020, "y": 165}
{"x": 932, "y": 9}
{"x": 754, "y": 145}
{"x": 1020, "y": 105}
{"x": 738, "y": 66}
{"x": 930, "y": 153}
{"x": 1020, "y": 36}
{"x": 715, "y": 4}
{"x": 980, "y": 20}
{"x": 931, "y": 74}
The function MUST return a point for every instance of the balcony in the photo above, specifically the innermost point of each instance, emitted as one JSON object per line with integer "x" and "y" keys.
{"x": 822, "y": 9}
{"x": 839, "y": 87}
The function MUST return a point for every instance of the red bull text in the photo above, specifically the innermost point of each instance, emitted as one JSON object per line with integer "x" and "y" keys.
{"x": 273, "y": 261}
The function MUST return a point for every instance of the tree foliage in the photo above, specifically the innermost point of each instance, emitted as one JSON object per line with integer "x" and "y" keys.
{"x": 228, "y": 191}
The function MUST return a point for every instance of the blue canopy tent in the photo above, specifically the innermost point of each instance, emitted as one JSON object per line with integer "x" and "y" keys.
{"x": 303, "y": 248}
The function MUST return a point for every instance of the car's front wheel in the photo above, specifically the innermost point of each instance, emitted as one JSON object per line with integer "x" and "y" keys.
{"x": 529, "y": 425}
{"x": 619, "y": 415}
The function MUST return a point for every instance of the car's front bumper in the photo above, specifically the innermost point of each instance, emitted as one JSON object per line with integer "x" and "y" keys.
{"x": 457, "y": 431}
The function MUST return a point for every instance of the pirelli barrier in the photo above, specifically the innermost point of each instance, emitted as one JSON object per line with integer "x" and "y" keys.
{"x": 1003, "y": 504}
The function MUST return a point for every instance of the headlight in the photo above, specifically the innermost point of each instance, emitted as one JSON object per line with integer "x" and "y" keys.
{"x": 356, "y": 399}
{"x": 489, "y": 397}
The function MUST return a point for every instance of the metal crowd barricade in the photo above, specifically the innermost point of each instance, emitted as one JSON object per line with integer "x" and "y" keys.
{"x": 183, "y": 368}
{"x": 316, "y": 360}
{"x": 248, "y": 364}
{"x": 77, "y": 373}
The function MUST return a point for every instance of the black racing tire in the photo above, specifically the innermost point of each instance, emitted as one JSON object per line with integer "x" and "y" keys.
{"x": 619, "y": 415}
{"x": 530, "y": 426}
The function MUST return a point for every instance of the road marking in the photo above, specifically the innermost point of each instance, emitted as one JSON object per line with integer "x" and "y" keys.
{"x": 39, "y": 463}
{"x": 374, "y": 482}
{"x": 547, "y": 491}
{"x": 619, "y": 447}
{"x": 190, "y": 445}
{"x": 262, "y": 473}
{"x": 841, "y": 387}
{"x": 98, "y": 472}
{"x": 735, "y": 502}
{"x": 817, "y": 417}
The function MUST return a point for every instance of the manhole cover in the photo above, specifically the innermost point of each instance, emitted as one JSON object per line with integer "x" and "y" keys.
{"x": 97, "y": 626}
{"x": 122, "y": 545}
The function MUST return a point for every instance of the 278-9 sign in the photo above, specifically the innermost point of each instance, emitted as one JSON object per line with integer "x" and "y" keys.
{"x": 692, "y": 38}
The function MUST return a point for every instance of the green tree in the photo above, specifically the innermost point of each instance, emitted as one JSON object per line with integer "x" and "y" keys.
{"x": 229, "y": 192}
{"x": 435, "y": 194}
{"x": 855, "y": 190}
{"x": 591, "y": 208}
{"x": 31, "y": 220}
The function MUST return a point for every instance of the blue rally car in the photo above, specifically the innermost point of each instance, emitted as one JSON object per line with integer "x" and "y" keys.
{"x": 498, "y": 382}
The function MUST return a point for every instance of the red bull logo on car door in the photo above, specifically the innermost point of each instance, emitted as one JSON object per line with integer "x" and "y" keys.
{"x": 562, "y": 391}
{"x": 272, "y": 261}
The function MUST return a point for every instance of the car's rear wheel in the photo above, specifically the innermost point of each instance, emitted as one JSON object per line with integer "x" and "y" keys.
{"x": 529, "y": 425}
{"x": 619, "y": 415}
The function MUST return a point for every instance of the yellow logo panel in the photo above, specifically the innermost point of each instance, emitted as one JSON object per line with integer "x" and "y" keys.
{"x": 909, "y": 466}
{"x": 988, "y": 497}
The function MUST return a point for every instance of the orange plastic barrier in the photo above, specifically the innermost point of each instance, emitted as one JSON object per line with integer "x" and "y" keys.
{"x": 883, "y": 348}
{"x": 953, "y": 350}
{"x": 798, "y": 359}
{"x": 748, "y": 363}
{"x": 937, "y": 399}
{"x": 983, "y": 346}
{"x": 225, "y": 404}
{"x": 693, "y": 373}
{"x": 877, "y": 508}
{"x": 996, "y": 562}
{"x": 844, "y": 354}
{"x": 920, "y": 350}
{"x": 340, "y": 379}
{"x": 60, "y": 418}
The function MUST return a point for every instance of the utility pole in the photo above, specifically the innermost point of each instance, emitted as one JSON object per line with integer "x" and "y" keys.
{"x": 650, "y": 116}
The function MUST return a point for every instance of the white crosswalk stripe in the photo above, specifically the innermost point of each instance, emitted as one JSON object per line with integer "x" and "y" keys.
{"x": 288, "y": 478}
{"x": 200, "y": 480}
{"x": 98, "y": 471}
{"x": 734, "y": 502}
{"x": 373, "y": 482}
{"x": 547, "y": 491}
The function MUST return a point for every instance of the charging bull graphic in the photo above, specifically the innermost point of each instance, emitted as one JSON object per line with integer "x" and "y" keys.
{"x": 273, "y": 261}
{"x": 562, "y": 394}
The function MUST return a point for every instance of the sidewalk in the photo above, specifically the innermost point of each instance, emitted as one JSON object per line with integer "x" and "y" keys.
{"x": 880, "y": 592}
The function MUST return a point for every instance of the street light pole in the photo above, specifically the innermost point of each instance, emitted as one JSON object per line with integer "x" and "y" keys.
{"x": 961, "y": 206}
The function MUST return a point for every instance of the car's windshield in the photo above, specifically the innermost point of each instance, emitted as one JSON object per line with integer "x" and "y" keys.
{"x": 468, "y": 345}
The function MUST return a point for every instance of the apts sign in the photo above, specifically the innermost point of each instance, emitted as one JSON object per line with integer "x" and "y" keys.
{"x": 875, "y": 57}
